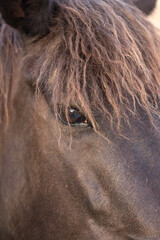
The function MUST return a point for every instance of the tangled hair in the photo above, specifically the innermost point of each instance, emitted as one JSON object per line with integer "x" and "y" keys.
{"x": 10, "y": 49}
{"x": 97, "y": 55}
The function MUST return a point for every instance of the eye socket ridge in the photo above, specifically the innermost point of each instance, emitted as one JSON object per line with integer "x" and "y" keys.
{"x": 74, "y": 117}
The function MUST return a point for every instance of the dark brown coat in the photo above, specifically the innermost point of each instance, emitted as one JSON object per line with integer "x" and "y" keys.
{"x": 79, "y": 130}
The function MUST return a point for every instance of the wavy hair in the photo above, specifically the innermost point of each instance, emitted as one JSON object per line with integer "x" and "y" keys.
{"x": 98, "y": 55}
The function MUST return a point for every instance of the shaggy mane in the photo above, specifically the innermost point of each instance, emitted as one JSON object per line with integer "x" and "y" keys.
{"x": 98, "y": 55}
{"x": 10, "y": 50}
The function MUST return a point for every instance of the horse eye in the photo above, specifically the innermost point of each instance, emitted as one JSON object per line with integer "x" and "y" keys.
{"x": 74, "y": 117}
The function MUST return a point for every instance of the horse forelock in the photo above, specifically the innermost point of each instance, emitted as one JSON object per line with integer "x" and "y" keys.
{"x": 97, "y": 54}
{"x": 10, "y": 49}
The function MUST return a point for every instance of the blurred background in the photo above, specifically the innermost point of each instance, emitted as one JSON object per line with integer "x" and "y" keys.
{"x": 155, "y": 16}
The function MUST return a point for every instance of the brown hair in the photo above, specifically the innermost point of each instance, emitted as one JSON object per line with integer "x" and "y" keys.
{"x": 10, "y": 49}
{"x": 97, "y": 54}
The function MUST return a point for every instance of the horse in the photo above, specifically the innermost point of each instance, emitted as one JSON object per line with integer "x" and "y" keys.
{"x": 79, "y": 121}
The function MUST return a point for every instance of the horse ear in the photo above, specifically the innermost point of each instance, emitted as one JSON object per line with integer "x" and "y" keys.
{"x": 29, "y": 16}
{"x": 146, "y": 6}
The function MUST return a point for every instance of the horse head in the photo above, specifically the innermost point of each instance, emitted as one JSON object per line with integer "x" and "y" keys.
{"x": 79, "y": 109}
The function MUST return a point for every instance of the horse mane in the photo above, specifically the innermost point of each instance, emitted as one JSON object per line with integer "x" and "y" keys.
{"x": 10, "y": 48}
{"x": 98, "y": 55}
